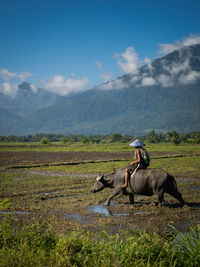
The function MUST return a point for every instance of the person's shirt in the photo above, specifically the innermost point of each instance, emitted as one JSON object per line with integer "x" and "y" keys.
{"x": 142, "y": 153}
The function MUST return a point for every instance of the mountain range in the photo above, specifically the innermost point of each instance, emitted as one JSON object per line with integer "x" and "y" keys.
{"x": 163, "y": 95}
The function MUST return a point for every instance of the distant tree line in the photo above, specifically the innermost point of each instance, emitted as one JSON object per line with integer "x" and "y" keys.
{"x": 151, "y": 137}
{"x": 173, "y": 136}
{"x": 31, "y": 138}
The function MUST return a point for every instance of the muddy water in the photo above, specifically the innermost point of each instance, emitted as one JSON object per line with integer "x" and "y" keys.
{"x": 142, "y": 212}
{"x": 105, "y": 211}
{"x": 17, "y": 178}
{"x": 196, "y": 188}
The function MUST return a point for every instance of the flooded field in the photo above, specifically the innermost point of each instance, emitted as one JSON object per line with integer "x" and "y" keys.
{"x": 57, "y": 186}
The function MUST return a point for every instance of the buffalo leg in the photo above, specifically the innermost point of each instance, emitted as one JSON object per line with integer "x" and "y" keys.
{"x": 115, "y": 192}
{"x": 160, "y": 197}
{"x": 131, "y": 198}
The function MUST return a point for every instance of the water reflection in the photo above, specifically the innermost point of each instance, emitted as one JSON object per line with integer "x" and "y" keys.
{"x": 105, "y": 211}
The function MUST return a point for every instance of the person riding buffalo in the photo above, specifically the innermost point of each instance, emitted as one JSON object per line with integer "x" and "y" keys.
{"x": 142, "y": 160}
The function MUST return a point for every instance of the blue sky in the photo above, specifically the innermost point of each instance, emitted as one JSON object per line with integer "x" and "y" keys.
{"x": 70, "y": 46}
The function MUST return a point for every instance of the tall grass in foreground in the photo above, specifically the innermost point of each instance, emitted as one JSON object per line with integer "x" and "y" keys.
{"x": 38, "y": 245}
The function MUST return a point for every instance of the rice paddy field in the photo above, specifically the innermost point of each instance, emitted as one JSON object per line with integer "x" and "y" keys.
{"x": 49, "y": 187}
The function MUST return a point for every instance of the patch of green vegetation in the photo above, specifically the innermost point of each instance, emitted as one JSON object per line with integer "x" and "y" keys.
{"x": 56, "y": 146}
{"x": 39, "y": 245}
{"x": 110, "y": 147}
{"x": 85, "y": 167}
{"x": 183, "y": 167}
{"x": 170, "y": 147}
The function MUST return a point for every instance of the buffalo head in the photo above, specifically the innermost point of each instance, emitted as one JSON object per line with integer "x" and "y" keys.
{"x": 100, "y": 183}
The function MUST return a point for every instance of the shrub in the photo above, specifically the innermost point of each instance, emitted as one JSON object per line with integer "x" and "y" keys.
{"x": 45, "y": 141}
{"x": 39, "y": 245}
{"x": 64, "y": 139}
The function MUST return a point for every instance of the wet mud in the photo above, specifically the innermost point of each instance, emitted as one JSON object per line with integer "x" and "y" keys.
{"x": 8, "y": 158}
{"x": 39, "y": 157}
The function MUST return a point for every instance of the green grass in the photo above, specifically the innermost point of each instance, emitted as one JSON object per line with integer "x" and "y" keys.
{"x": 111, "y": 147}
{"x": 183, "y": 167}
{"x": 170, "y": 147}
{"x": 58, "y": 146}
{"x": 84, "y": 167}
{"x": 39, "y": 245}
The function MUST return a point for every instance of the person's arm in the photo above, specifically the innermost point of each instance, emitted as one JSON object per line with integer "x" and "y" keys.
{"x": 138, "y": 158}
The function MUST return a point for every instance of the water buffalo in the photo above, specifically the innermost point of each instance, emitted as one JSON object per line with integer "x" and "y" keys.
{"x": 143, "y": 182}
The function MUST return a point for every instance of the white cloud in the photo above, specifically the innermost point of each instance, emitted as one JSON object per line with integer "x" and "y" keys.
{"x": 192, "y": 39}
{"x": 119, "y": 84}
{"x": 33, "y": 88}
{"x": 128, "y": 61}
{"x": 63, "y": 86}
{"x": 176, "y": 68}
{"x": 180, "y": 71}
{"x": 148, "y": 81}
{"x": 9, "y": 89}
{"x": 149, "y": 63}
{"x": 105, "y": 76}
{"x": 116, "y": 84}
{"x": 176, "y": 72}
{"x": 23, "y": 75}
{"x": 165, "y": 80}
{"x": 7, "y": 75}
{"x": 168, "y": 48}
{"x": 134, "y": 79}
{"x": 190, "y": 77}
{"x": 105, "y": 86}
